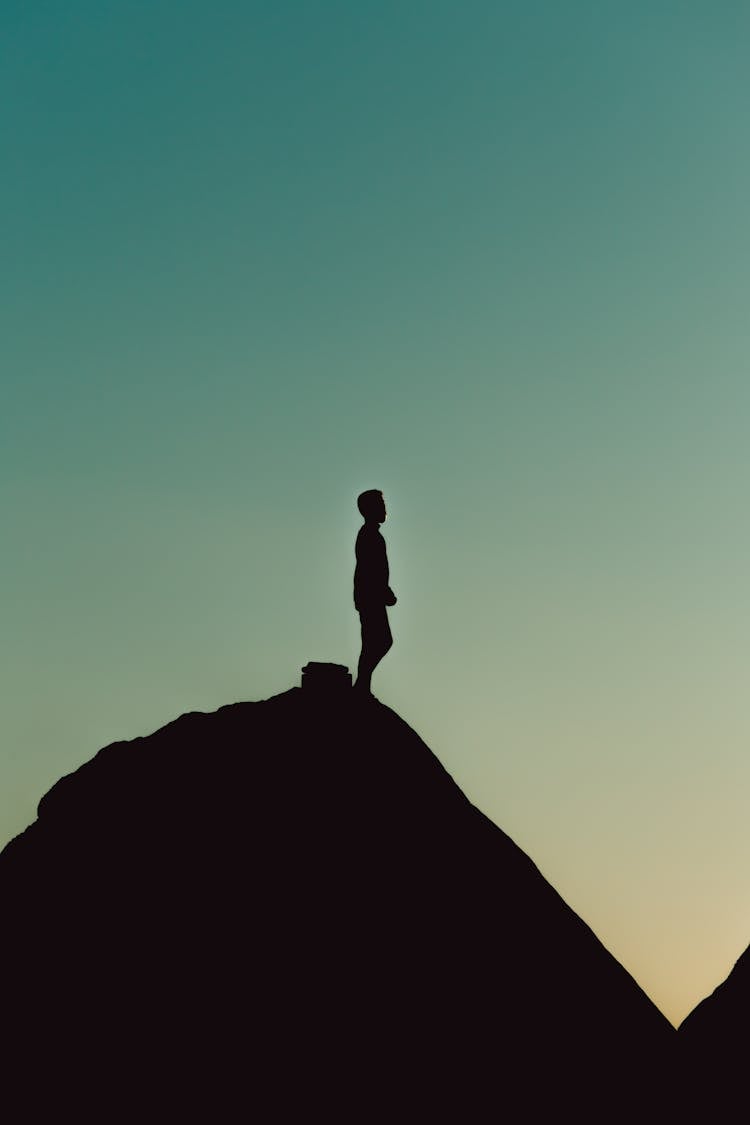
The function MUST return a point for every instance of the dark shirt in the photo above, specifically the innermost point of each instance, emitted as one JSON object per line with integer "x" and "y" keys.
{"x": 371, "y": 571}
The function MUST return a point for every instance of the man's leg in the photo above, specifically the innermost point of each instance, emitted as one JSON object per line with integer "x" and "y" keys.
{"x": 376, "y": 641}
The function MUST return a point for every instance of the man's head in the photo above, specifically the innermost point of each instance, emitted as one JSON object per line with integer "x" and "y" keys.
{"x": 372, "y": 505}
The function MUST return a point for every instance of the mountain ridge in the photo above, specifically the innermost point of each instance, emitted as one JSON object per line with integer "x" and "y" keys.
{"x": 305, "y": 869}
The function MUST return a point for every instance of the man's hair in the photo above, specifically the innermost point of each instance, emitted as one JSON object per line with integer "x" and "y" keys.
{"x": 370, "y": 501}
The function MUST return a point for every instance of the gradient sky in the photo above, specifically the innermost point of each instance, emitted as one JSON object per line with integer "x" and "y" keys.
{"x": 489, "y": 257}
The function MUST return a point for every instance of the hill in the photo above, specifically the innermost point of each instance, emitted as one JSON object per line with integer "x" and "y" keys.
{"x": 712, "y": 1045}
{"x": 288, "y": 908}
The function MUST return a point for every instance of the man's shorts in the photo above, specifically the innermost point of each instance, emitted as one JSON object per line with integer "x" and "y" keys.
{"x": 376, "y": 632}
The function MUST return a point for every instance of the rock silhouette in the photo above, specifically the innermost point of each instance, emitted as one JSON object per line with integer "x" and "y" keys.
{"x": 712, "y": 1042}
{"x": 287, "y": 910}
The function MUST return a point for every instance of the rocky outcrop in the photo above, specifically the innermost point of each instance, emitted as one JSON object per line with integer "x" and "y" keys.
{"x": 287, "y": 909}
{"x": 712, "y": 1047}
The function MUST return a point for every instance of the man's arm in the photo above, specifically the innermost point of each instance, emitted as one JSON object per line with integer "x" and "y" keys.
{"x": 390, "y": 597}
{"x": 371, "y": 572}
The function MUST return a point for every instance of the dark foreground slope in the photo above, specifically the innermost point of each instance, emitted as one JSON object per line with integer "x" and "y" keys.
{"x": 288, "y": 910}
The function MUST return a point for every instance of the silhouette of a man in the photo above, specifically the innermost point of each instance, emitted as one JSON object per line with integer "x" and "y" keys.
{"x": 372, "y": 594}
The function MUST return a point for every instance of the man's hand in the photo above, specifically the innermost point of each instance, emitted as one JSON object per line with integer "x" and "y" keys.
{"x": 390, "y": 597}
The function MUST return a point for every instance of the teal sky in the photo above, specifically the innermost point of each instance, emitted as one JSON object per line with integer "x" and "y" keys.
{"x": 489, "y": 257}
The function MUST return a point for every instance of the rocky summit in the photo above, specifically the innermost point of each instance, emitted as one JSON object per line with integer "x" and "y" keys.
{"x": 288, "y": 908}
